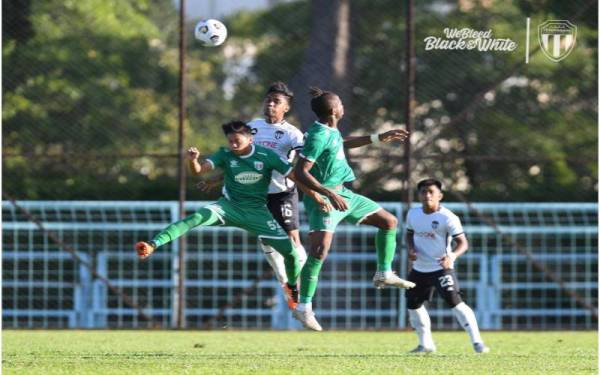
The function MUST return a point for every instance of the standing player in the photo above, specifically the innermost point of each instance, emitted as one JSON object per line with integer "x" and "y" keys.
{"x": 430, "y": 231}
{"x": 322, "y": 167}
{"x": 275, "y": 133}
{"x": 247, "y": 169}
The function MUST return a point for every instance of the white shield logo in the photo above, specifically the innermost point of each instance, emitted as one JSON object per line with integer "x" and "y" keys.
{"x": 258, "y": 165}
{"x": 557, "y": 38}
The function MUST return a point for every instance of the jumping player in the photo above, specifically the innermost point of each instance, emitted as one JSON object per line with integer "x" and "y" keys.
{"x": 322, "y": 167}
{"x": 430, "y": 231}
{"x": 247, "y": 169}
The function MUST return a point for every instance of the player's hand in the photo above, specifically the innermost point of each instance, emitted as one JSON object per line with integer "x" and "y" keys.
{"x": 208, "y": 185}
{"x": 412, "y": 255}
{"x": 447, "y": 261}
{"x": 393, "y": 135}
{"x": 324, "y": 204}
{"x": 337, "y": 201}
{"x": 193, "y": 153}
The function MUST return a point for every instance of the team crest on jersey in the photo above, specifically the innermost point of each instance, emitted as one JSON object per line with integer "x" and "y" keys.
{"x": 258, "y": 165}
{"x": 326, "y": 221}
{"x": 279, "y": 134}
{"x": 233, "y": 163}
{"x": 435, "y": 224}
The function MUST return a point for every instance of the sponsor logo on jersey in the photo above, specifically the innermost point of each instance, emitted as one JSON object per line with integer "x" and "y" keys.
{"x": 258, "y": 165}
{"x": 435, "y": 224}
{"x": 248, "y": 178}
{"x": 233, "y": 163}
{"x": 279, "y": 134}
{"x": 425, "y": 234}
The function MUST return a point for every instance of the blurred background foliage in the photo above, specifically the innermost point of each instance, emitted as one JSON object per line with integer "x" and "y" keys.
{"x": 90, "y": 95}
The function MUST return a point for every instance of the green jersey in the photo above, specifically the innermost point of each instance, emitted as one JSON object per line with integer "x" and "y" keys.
{"x": 324, "y": 146}
{"x": 247, "y": 177}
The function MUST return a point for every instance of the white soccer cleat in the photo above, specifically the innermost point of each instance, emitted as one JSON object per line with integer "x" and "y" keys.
{"x": 423, "y": 350}
{"x": 381, "y": 280}
{"x": 308, "y": 320}
{"x": 480, "y": 347}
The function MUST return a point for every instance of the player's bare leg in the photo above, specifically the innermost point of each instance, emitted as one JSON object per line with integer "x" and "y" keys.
{"x": 385, "y": 244}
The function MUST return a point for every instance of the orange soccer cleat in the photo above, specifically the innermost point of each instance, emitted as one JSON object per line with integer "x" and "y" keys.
{"x": 144, "y": 249}
{"x": 291, "y": 295}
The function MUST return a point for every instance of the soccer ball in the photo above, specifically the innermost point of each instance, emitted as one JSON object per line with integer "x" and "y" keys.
{"x": 210, "y": 32}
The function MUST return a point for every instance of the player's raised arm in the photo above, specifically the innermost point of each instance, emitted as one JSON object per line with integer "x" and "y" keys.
{"x": 376, "y": 138}
{"x": 197, "y": 168}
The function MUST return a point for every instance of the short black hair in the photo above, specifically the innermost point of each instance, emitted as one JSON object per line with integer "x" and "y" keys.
{"x": 279, "y": 87}
{"x": 237, "y": 127}
{"x": 321, "y": 101}
{"x": 429, "y": 182}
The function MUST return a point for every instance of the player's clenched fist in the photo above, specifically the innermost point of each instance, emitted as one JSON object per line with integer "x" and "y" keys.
{"x": 193, "y": 153}
{"x": 144, "y": 249}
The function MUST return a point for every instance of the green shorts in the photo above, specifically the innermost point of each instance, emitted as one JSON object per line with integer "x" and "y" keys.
{"x": 359, "y": 207}
{"x": 258, "y": 221}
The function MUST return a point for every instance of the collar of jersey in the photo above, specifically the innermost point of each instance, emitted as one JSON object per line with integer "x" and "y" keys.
{"x": 325, "y": 125}
{"x": 250, "y": 154}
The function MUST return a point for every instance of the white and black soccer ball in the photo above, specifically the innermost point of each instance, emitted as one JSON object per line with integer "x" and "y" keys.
{"x": 210, "y": 32}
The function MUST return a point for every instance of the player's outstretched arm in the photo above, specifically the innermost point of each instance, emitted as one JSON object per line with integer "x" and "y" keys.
{"x": 196, "y": 167}
{"x": 301, "y": 172}
{"x": 375, "y": 138}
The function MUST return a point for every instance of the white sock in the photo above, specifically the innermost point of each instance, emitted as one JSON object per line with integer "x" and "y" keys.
{"x": 466, "y": 317}
{"x": 276, "y": 262}
{"x": 301, "y": 251}
{"x": 304, "y": 306}
{"x": 419, "y": 320}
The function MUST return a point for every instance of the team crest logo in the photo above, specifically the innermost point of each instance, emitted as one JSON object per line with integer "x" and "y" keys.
{"x": 435, "y": 224}
{"x": 327, "y": 221}
{"x": 557, "y": 38}
{"x": 258, "y": 165}
{"x": 278, "y": 134}
{"x": 233, "y": 163}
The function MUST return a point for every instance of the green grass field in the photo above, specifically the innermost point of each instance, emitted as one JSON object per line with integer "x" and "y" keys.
{"x": 258, "y": 352}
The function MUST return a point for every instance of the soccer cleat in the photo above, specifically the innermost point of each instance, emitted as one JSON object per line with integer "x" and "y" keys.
{"x": 423, "y": 350}
{"x": 308, "y": 320}
{"x": 380, "y": 280}
{"x": 291, "y": 295}
{"x": 480, "y": 347}
{"x": 144, "y": 249}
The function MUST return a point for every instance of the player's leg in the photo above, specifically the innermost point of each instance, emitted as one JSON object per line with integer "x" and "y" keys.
{"x": 320, "y": 243}
{"x": 447, "y": 286}
{"x": 417, "y": 314}
{"x": 205, "y": 216}
{"x": 284, "y": 208}
{"x": 365, "y": 211}
{"x": 260, "y": 222}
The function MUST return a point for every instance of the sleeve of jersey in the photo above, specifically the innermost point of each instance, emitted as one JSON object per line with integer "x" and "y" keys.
{"x": 280, "y": 165}
{"x": 217, "y": 159}
{"x": 296, "y": 140}
{"x": 409, "y": 227}
{"x": 313, "y": 148}
{"x": 454, "y": 226}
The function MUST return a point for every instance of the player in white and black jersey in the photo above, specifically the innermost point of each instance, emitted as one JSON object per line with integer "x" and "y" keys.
{"x": 274, "y": 132}
{"x": 431, "y": 229}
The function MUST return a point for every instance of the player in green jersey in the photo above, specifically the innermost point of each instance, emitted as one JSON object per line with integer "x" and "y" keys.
{"x": 247, "y": 169}
{"x": 323, "y": 167}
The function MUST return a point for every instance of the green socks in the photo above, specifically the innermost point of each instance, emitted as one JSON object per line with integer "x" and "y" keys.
{"x": 285, "y": 247}
{"x": 385, "y": 243}
{"x": 203, "y": 216}
{"x": 309, "y": 278}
